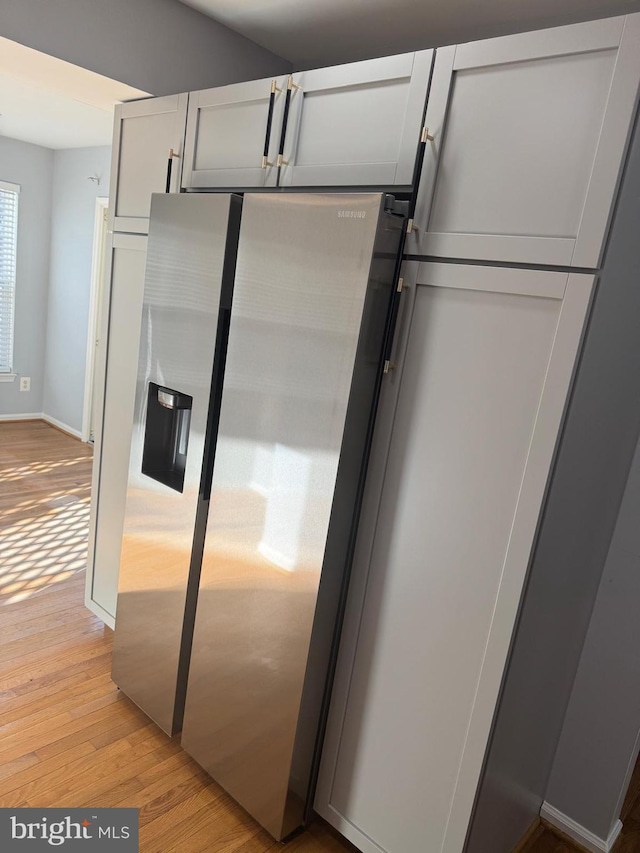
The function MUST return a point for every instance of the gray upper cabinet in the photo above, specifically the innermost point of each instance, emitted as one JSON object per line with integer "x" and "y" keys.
{"x": 348, "y": 125}
{"x": 356, "y": 124}
{"x": 146, "y": 135}
{"x": 233, "y": 134}
{"x": 529, "y": 137}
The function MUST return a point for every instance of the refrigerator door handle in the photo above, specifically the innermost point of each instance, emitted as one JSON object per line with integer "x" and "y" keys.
{"x": 216, "y": 399}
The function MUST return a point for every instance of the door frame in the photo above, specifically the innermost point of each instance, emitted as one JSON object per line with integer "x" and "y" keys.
{"x": 100, "y": 228}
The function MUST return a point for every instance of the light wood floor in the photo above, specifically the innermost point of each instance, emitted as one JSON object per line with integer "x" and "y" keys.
{"x": 68, "y": 737}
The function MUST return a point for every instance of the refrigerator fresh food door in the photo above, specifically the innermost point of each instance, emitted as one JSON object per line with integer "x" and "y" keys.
{"x": 187, "y": 298}
{"x": 313, "y": 289}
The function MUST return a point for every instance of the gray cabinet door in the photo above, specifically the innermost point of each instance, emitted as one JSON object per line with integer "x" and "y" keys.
{"x": 529, "y": 136}
{"x": 230, "y": 140}
{"x": 146, "y": 135}
{"x": 448, "y": 524}
{"x": 356, "y": 124}
{"x": 115, "y": 391}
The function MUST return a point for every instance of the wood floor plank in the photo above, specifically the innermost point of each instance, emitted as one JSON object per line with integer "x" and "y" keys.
{"x": 35, "y": 642}
{"x": 175, "y": 825}
{"x": 173, "y": 770}
{"x": 124, "y": 791}
{"x": 40, "y": 769}
{"x": 89, "y": 666}
{"x": 164, "y": 796}
{"x": 67, "y": 735}
{"x": 80, "y": 655}
{"x": 53, "y": 730}
{"x": 85, "y": 788}
{"x": 11, "y": 768}
{"x": 78, "y": 760}
{"x": 78, "y": 699}
{"x": 92, "y": 731}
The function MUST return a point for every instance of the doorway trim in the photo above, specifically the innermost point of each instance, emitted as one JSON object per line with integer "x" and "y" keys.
{"x": 97, "y": 270}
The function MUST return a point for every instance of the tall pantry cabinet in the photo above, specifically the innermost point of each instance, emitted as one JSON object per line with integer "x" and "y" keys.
{"x": 529, "y": 134}
{"x": 442, "y": 554}
{"x": 147, "y": 156}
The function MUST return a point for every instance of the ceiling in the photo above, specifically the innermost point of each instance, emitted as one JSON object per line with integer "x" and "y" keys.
{"x": 320, "y": 32}
{"x": 49, "y": 102}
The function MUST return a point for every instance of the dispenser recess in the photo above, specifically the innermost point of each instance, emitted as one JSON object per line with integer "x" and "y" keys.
{"x": 166, "y": 436}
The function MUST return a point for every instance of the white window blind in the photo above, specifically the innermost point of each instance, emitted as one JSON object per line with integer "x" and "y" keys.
{"x": 8, "y": 246}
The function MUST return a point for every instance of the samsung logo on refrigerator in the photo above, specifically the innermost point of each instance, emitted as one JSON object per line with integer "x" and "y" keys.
{"x": 352, "y": 214}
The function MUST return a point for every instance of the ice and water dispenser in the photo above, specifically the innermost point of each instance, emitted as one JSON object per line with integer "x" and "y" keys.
{"x": 166, "y": 438}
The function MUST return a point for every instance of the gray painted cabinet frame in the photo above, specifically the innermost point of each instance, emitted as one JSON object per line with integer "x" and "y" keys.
{"x": 529, "y": 137}
{"x": 144, "y": 134}
{"x": 462, "y": 453}
{"x": 116, "y": 377}
{"x": 357, "y": 124}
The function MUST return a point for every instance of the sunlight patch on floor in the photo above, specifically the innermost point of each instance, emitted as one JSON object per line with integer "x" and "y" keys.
{"x": 43, "y": 535}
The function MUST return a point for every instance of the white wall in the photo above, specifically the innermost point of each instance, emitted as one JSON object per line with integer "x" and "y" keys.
{"x": 32, "y": 167}
{"x": 72, "y": 223}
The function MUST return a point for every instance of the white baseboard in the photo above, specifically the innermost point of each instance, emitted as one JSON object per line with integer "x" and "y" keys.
{"x": 40, "y": 416}
{"x": 33, "y": 416}
{"x": 60, "y": 425}
{"x": 578, "y": 833}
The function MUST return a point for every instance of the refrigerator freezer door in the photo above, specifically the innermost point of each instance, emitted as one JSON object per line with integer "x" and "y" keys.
{"x": 186, "y": 288}
{"x": 314, "y": 282}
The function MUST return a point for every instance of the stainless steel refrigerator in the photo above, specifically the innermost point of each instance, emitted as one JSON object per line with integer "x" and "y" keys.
{"x": 266, "y": 323}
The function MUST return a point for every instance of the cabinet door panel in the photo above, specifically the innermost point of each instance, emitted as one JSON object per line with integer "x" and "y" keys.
{"x": 226, "y": 132}
{"x": 520, "y": 169}
{"x": 114, "y": 421}
{"x": 144, "y": 134}
{"x": 438, "y": 575}
{"x": 356, "y": 124}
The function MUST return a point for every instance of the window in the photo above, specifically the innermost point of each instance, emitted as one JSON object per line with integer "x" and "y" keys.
{"x": 8, "y": 246}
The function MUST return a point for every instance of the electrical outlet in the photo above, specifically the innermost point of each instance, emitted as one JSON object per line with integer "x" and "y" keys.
{"x": 25, "y": 383}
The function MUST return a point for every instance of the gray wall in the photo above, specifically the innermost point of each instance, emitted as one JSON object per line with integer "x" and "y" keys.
{"x": 32, "y": 167}
{"x": 72, "y": 224}
{"x": 160, "y": 46}
{"x": 599, "y": 738}
{"x": 593, "y": 461}
{"x": 406, "y": 25}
